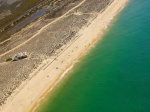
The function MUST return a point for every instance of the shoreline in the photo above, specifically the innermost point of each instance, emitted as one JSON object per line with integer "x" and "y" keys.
{"x": 62, "y": 75}
{"x": 87, "y": 37}
{"x": 89, "y": 47}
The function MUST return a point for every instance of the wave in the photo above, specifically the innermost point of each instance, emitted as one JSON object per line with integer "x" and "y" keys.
{"x": 61, "y": 77}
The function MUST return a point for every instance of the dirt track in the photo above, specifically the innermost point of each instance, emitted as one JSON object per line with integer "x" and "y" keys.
{"x": 44, "y": 42}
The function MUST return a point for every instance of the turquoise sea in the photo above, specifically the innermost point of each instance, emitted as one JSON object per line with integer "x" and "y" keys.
{"x": 115, "y": 75}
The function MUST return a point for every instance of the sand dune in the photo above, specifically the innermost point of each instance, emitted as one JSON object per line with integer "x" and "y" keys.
{"x": 82, "y": 26}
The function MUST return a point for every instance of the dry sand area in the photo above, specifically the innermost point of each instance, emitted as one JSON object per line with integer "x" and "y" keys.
{"x": 52, "y": 49}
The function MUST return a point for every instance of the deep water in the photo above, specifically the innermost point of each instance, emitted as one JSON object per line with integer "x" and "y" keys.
{"x": 115, "y": 75}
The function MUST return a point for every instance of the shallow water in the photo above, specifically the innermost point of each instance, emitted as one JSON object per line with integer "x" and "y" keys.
{"x": 24, "y": 7}
{"x": 25, "y": 22}
{"x": 115, "y": 75}
{"x": 30, "y": 19}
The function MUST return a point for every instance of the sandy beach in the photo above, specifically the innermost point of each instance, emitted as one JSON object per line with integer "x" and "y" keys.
{"x": 51, "y": 70}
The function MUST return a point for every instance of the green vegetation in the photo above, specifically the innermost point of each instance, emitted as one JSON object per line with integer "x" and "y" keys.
{"x": 9, "y": 59}
{"x": 17, "y": 12}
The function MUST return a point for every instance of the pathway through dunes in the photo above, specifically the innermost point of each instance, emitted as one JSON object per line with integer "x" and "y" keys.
{"x": 44, "y": 27}
{"x": 115, "y": 75}
{"x": 50, "y": 39}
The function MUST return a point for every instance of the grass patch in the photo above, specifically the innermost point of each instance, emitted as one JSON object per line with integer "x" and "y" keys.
{"x": 9, "y": 59}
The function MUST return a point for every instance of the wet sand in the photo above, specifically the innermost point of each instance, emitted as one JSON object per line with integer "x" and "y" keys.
{"x": 51, "y": 70}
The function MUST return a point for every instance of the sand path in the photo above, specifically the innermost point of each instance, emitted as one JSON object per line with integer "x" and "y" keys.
{"x": 43, "y": 29}
{"x": 45, "y": 80}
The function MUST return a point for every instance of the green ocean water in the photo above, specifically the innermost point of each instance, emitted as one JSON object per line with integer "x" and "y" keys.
{"x": 115, "y": 75}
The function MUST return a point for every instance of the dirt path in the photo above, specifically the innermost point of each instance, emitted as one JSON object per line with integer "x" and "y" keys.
{"x": 43, "y": 29}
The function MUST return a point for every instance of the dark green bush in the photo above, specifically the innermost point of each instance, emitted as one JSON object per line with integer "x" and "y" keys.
{"x": 9, "y": 59}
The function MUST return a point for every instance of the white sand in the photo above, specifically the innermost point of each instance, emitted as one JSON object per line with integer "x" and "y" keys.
{"x": 30, "y": 95}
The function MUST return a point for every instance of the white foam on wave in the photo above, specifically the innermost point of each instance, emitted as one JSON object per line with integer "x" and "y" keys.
{"x": 62, "y": 76}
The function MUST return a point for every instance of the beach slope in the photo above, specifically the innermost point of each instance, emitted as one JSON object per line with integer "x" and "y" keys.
{"x": 93, "y": 22}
